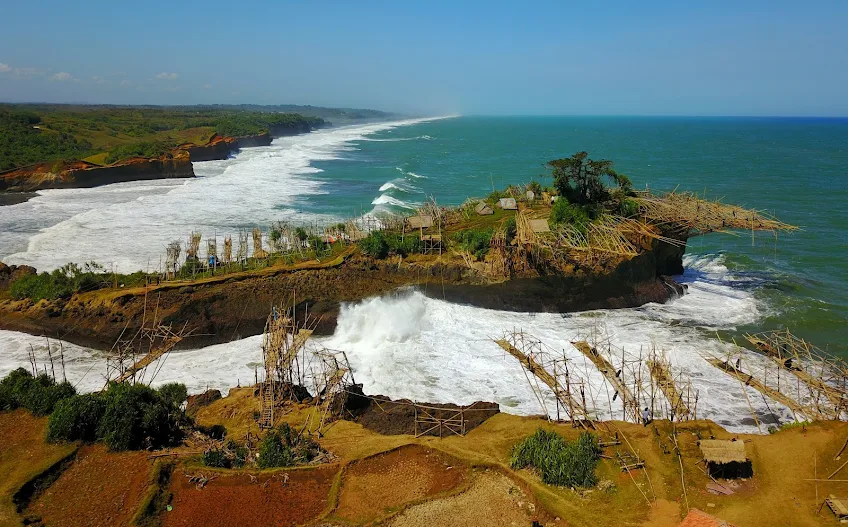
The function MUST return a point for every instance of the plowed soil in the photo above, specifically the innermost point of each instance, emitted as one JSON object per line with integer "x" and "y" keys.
{"x": 377, "y": 485}
{"x": 99, "y": 489}
{"x": 275, "y": 500}
{"x": 492, "y": 500}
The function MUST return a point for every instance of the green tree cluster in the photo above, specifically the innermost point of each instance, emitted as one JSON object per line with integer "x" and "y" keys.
{"x": 38, "y": 394}
{"x": 21, "y": 143}
{"x": 61, "y": 283}
{"x": 124, "y": 417}
{"x": 580, "y": 179}
{"x": 379, "y": 244}
{"x": 558, "y": 461}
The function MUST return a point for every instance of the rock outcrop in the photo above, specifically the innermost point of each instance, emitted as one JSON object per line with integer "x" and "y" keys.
{"x": 80, "y": 174}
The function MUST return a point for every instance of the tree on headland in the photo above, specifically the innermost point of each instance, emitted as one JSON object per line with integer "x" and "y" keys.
{"x": 580, "y": 179}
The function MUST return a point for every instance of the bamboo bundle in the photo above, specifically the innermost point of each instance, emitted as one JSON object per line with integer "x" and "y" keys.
{"x": 631, "y": 404}
{"x": 686, "y": 214}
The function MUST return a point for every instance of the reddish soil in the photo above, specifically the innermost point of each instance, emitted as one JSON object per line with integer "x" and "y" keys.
{"x": 383, "y": 483}
{"x": 237, "y": 501}
{"x": 100, "y": 488}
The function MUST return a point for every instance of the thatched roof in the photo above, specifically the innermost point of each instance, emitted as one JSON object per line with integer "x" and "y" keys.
{"x": 483, "y": 209}
{"x": 420, "y": 222}
{"x": 723, "y": 451}
{"x": 508, "y": 204}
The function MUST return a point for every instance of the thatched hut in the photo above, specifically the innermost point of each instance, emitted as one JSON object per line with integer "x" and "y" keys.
{"x": 508, "y": 204}
{"x": 483, "y": 209}
{"x": 726, "y": 459}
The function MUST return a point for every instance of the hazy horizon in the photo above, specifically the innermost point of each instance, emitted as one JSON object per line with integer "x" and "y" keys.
{"x": 775, "y": 59}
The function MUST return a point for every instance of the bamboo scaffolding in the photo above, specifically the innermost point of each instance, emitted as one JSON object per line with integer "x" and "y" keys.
{"x": 750, "y": 380}
{"x": 629, "y": 401}
{"x": 663, "y": 379}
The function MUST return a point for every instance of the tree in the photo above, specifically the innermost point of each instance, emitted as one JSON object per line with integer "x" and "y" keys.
{"x": 580, "y": 179}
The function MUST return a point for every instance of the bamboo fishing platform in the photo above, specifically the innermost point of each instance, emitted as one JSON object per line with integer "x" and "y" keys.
{"x": 631, "y": 404}
{"x": 749, "y": 380}
{"x": 663, "y": 379}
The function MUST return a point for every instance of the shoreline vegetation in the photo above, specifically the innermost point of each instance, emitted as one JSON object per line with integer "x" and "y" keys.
{"x": 77, "y": 146}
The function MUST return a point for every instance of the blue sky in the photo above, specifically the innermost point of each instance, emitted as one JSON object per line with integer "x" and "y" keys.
{"x": 616, "y": 57}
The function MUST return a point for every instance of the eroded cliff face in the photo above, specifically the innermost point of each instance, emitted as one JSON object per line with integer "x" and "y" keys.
{"x": 80, "y": 174}
{"x": 234, "y": 307}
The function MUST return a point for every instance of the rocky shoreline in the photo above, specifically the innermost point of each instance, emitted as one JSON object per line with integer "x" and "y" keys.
{"x": 236, "y": 306}
{"x": 19, "y": 185}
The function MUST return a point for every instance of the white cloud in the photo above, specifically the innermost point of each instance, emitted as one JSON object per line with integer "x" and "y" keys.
{"x": 4, "y": 68}
{"x": 62, "y": 76}
{"x": 167, "y": 76}
{"x": 125, "y": 83}
{"x": 98, "y": 79}
{"x": 26, "y": 73}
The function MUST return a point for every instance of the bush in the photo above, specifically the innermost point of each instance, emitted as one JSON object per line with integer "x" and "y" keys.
{"x": 375, "y": 245}
{"x": 628, "y": 208}
{"x": 216, "y": 458}
{"x": 76, "y": 419}
{"x": 559, "y": 462}
{"x": 61, "y": 283}
{"x": 274, "y": 452}
{"x": 39, "y": 394}
{"x": 568, "y": 213}
{"x": 284, "y": 447}
{"x": 475, "y": 242}
{"x": 125, "y": 417}
{"x": 173, "y": 393}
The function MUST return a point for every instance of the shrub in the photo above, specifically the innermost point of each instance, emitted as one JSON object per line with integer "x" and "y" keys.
{"x": 274, "y": 452}
{"x": 61, "y": 283}
{"x": 511, "y": 229}
{"x": 173, "y": 393}
{"x": 216, "y": 458}
{"x": 628, "y": 208}
{"x": 284, "y": 447}
{"x": 125, "y": 417}
{"x": 39, "y": 394}
{"x": 568, "y": 213}
{"x": 474, "y": 241}
{"x": 76, "y": 419}
{"x": 559, "y": 462}
{"x": 375, "y": 245}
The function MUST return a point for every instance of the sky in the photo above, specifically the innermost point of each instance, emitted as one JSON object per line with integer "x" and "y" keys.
{"x": 773, "y": 58}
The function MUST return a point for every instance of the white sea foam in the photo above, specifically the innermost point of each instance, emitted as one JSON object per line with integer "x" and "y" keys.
{"x": 396, "y": 139}
{"x": 409, "y": 345}
{"x": 129, "y": 224}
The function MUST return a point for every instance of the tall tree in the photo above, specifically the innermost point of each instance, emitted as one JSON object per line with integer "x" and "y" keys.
{"x": 580, "y": 179}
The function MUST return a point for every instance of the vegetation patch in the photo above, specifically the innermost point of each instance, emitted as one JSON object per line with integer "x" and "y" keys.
{"x": 124, "y": 417}
{"x": 474, "y": 241}
{"x": 38, "y": 394}
{"x": 284, "y": 447}
{"x": 558, "y": 461}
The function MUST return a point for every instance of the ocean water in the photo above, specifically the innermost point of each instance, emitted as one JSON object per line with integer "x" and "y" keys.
{"x": 410, "y": 346}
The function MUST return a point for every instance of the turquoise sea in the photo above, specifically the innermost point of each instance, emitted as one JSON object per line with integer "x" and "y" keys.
{"x": 796, "y": 169}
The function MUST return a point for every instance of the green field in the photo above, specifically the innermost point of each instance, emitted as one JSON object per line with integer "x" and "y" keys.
{"x": 105, "y": 134}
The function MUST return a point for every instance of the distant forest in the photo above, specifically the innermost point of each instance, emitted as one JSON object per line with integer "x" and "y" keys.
{"x": 103, "y": 134}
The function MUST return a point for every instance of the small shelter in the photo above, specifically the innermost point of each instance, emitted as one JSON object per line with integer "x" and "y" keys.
{"x": 698, "y": 518}
{"x": 422, "y": 221}
{"x": 531, "y": 196}
{"x": 483, "y": 209}
{"x": 508, "y": 204}
{"x": 726, "y": 459}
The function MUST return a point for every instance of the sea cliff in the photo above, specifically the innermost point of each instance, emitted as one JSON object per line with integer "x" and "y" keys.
{"x": 80, "y": 174}
{"x": 236, "y": 305}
